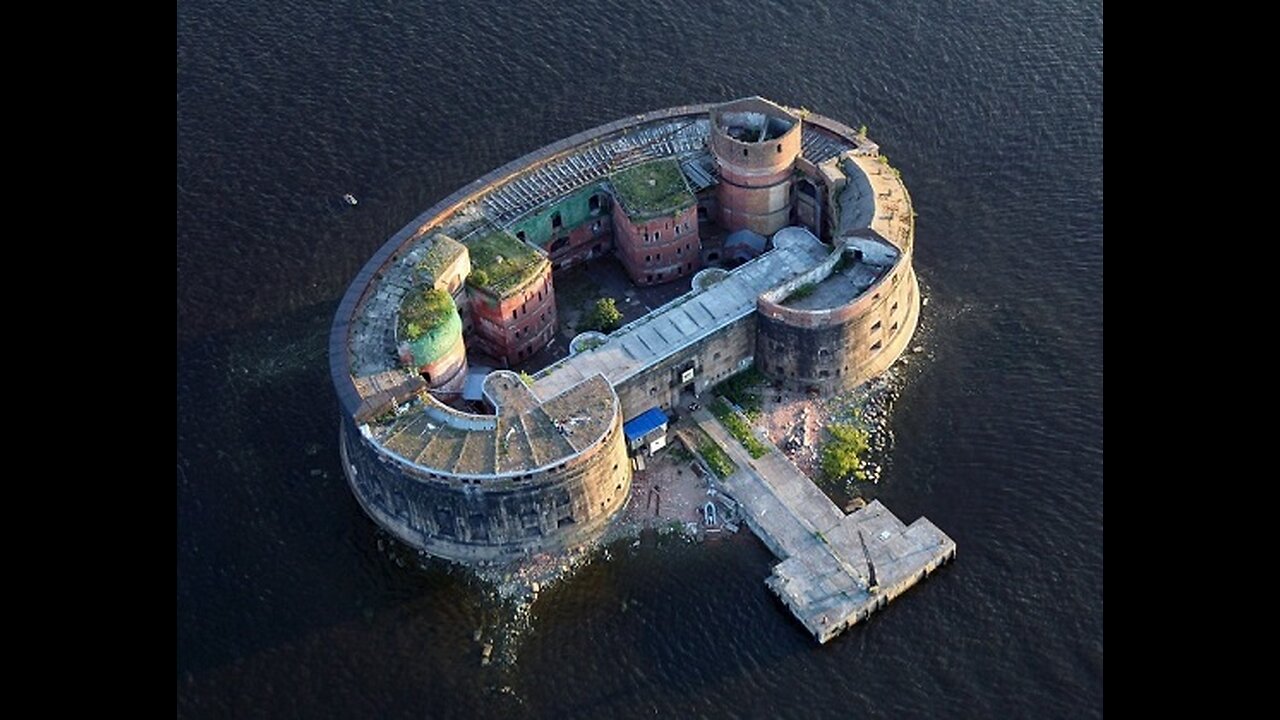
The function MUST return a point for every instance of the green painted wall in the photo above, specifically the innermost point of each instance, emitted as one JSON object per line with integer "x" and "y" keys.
{"x": 434, "y": 343}
{"x": 574, "y": 210}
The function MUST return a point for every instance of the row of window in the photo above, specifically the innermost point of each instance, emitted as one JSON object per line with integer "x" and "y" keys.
{"x": 652, "y": 277}
{"x": 746, "y": 154}
{"x": 656, "y": 236}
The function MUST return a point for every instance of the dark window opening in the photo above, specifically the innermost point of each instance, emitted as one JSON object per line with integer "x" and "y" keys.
{"x": 702, "y": 212}
{"x": 594, "y": 203}
{"x": 520, "y": 236}
{"x": 894, "y": 328}
{"x": 876, "y": 326}
{"x": 744, "y": 152}
{"x": 555, "y": 220}
{"x": 876, "y": 346}
{"x": 779, "y": 147}
{"x": 566, "y": 520}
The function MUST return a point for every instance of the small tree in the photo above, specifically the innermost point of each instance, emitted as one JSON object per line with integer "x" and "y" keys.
{"x": 605, "y": 317}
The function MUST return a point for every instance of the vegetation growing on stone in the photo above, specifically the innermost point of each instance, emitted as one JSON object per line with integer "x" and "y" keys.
{"x": 744, "y": 391}
{"x": 443, "y": 251}
{"x": 652, "y": 188}
{"x": 738, "y": 427}
{"x": 423, "y": 311}
{"x": 842, "y": 454}
{"x": 501, "y": 263}
{"x": 803, "y": 291}
{"x": 716, "y": 458}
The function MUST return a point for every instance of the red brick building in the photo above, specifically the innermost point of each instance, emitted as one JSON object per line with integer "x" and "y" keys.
{"x": 755, "y": 144}
{"x": 655, "y": 222}
{"x": 512, "y": 300}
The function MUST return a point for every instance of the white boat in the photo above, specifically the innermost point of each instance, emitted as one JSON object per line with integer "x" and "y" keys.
{"x": 350, "y": 199}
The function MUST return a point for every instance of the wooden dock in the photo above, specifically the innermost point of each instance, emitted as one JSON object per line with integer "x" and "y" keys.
{"x": 835, "y": 569}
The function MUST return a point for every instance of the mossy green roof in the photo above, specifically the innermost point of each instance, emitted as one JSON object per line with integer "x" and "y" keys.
{"x": 436, "y": 324}
{"x": 500, "y": 263}
{"x": 443, "y": 251}
{"x": 655, "y": 188}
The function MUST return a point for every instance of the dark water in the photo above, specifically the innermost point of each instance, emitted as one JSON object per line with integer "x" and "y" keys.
{"x": 286, "y": 606}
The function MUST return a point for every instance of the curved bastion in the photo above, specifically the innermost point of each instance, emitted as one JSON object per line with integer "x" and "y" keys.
{"x": 522, "y": 463}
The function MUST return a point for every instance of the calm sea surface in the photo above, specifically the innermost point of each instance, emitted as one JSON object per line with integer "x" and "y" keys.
{"x": 288, "y": 605}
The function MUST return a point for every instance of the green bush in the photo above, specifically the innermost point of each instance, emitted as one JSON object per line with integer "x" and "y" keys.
{"x": 423, "y": 311}
{"x": 841, "y": 455}
{"x": 605, "y": 317}
{"x": 738, "y": 427}
{"x": 744, "y": 390}
{"x": 803, "y": 291}
{"x": 716, "y": 458}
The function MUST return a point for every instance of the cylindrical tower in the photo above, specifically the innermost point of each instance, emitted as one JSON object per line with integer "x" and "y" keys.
{"x": 429, "y": 331}
{"x": 755, "y": 144}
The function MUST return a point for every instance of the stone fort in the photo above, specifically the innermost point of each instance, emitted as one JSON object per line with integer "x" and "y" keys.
{"x": 794, "y": 234}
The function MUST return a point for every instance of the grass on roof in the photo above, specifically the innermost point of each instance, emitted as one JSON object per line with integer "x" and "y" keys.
{"x": 653, "y": 188}
{"x": 500, "y": 262}
{"x": 423, "y": 311}
{"x": 443, "y": 251}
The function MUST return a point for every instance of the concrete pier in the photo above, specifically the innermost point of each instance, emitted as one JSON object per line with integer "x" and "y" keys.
{"x": 835, "y": 569}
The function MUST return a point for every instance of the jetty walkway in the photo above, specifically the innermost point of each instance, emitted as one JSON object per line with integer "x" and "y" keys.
{"x": 835, "y": 569}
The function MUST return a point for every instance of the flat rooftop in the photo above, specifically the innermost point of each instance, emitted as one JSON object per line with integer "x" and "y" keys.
{"x": 505, "y": 261}
{"x": 440, "y": 252}
{"x": 655, "y": 188}
{"x": 852, "y": 280}
{"x": 685, "y": 320}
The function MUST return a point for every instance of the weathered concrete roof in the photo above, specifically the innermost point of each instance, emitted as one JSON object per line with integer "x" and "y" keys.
{"x": 440, "y": 252}
{"x": 875, "y": 197}
{"x": 683, "y": 321}
{"x": 845, "y": 285}
{"x": 525, "y": 434}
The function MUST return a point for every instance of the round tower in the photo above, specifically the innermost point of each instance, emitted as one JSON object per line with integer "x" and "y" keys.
{"x": 429, "y": 332}
{"x": 755, "y": 144}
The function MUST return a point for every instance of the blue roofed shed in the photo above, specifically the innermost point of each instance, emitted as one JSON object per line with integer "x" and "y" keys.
{"x": 649, "y": 428}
